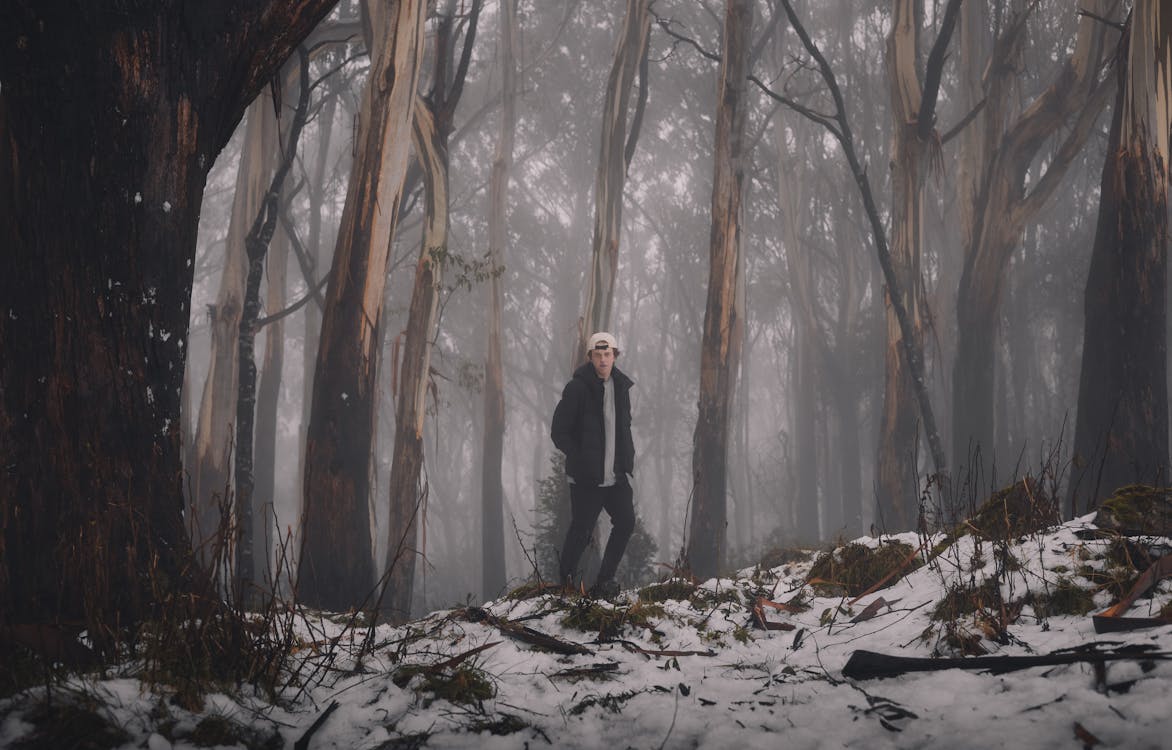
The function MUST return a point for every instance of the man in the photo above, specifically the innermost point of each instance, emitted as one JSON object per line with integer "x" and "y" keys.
{"x": 592, "y": 426}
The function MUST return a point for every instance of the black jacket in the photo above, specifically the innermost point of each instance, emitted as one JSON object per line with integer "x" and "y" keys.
{"x": 578, "y": 429}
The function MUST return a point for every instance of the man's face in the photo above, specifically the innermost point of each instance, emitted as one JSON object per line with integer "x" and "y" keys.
{"x": 603, "y": 361}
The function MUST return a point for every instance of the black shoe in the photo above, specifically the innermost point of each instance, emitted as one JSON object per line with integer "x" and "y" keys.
{"x": 608, "y": 589}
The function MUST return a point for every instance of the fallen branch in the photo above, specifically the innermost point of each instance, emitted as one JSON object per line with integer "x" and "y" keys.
{"x": 869, "y": 665}
{"x": 592, "y": 670}
{"x": 303, "y": 743}
{"x": 1111, "y": 620}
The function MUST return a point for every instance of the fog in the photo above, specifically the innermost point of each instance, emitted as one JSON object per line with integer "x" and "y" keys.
{"x": 813, "y": 293}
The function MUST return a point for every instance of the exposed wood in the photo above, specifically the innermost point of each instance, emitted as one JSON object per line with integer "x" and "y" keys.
{"x": 526, "y": 634}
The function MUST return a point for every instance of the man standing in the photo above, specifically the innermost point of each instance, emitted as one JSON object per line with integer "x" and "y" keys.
{"x": 592, "y": 427}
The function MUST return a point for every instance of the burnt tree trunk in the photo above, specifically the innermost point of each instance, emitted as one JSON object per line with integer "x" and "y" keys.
{"x": 336, "y": 569}
{"x": 1121, "y": 432}
{"x": 108, "y": 125}
{"x": 707, "y": 537}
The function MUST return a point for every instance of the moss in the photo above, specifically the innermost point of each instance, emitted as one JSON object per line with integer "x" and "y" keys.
{"x": 1137, "y": 509}
{"x": 595, "y": 617}
{"x": 673, "y": 589}
{"x": 530, "y": 590}
{"x": 1023, "y": 507}
{"x": 775, "y": 557}
{"x": 464, "y": 684}
{"x": 704, "y": 599}
{"x": 741, "y": 634}
{"x": 1064, "y": 598}
{"x": 854, "y": 568}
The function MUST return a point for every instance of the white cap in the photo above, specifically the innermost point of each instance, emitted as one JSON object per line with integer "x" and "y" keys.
{"x": 602, "y": 340}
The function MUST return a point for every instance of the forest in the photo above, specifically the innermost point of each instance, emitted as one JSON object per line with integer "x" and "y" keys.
{"x": 294, "y": 285}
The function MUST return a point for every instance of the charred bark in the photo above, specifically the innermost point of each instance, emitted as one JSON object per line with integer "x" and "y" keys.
{"x": 108, "y": 125}
{"x": 1121, "y": 432}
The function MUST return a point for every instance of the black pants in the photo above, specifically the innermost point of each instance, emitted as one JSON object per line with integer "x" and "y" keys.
{"x": 585, "y": 505}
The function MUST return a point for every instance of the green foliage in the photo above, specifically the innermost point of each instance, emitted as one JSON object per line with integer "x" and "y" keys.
{"x": 608, "y": 622}
{"x": 1137, "y": 509}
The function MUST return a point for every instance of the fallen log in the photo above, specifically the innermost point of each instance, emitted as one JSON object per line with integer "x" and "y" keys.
{"x": 870, "y": 665}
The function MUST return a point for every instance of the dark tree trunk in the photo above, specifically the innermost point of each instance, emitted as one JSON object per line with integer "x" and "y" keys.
{"x": 1121, "y": 433}
{"x": 707, "y": 539}
{"x": 108, "y": 125}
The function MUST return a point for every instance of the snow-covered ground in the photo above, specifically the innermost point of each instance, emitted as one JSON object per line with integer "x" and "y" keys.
{"x": 722, "y": 682}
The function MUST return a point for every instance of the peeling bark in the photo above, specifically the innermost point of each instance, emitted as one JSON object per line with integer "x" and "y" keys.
{"x": 337, "y": 566}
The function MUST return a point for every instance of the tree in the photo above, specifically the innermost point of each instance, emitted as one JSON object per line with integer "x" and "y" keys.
{"x": 211, "y": 471}
{"x": 492, "y": 500}
{"x": 336, "y": 570}
{"x": 1005, "y": 196}
{"x": 614, "y": 159}
{"x": 1121, "y": 432}
{"x": 109, "y": 122}
{"x": 433, "y": 124}
{"x": 707, "y": 536}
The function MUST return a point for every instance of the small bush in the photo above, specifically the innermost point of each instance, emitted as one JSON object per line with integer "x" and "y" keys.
{"x": 464, "y": 684}
{"x": 675, "y": 589}
{"x": 854, "y": 568}
{"x": 1064, "y": 598}
{"x": 1022, "y": 508}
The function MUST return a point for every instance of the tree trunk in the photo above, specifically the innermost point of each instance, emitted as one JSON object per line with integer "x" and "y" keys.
{"x": 336, "y": 570}
{"x": 896, "y": 465}
{"x": 216, "y": 428}
{"x": 1003, "y": 207}
{"x": 707, "y": 536}
{"x": 1121, "y": 433}
{"x": 268, "y": 398}
{"x": 492, "y": 499}
{"x": 431, "y": 128}
{"x": 257, "y": 246}
{"x": 614, "y": 156}
{"x": 112, "y": 126}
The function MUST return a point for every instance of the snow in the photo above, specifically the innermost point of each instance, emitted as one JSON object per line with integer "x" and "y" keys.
{"x": 747, "y": 688}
